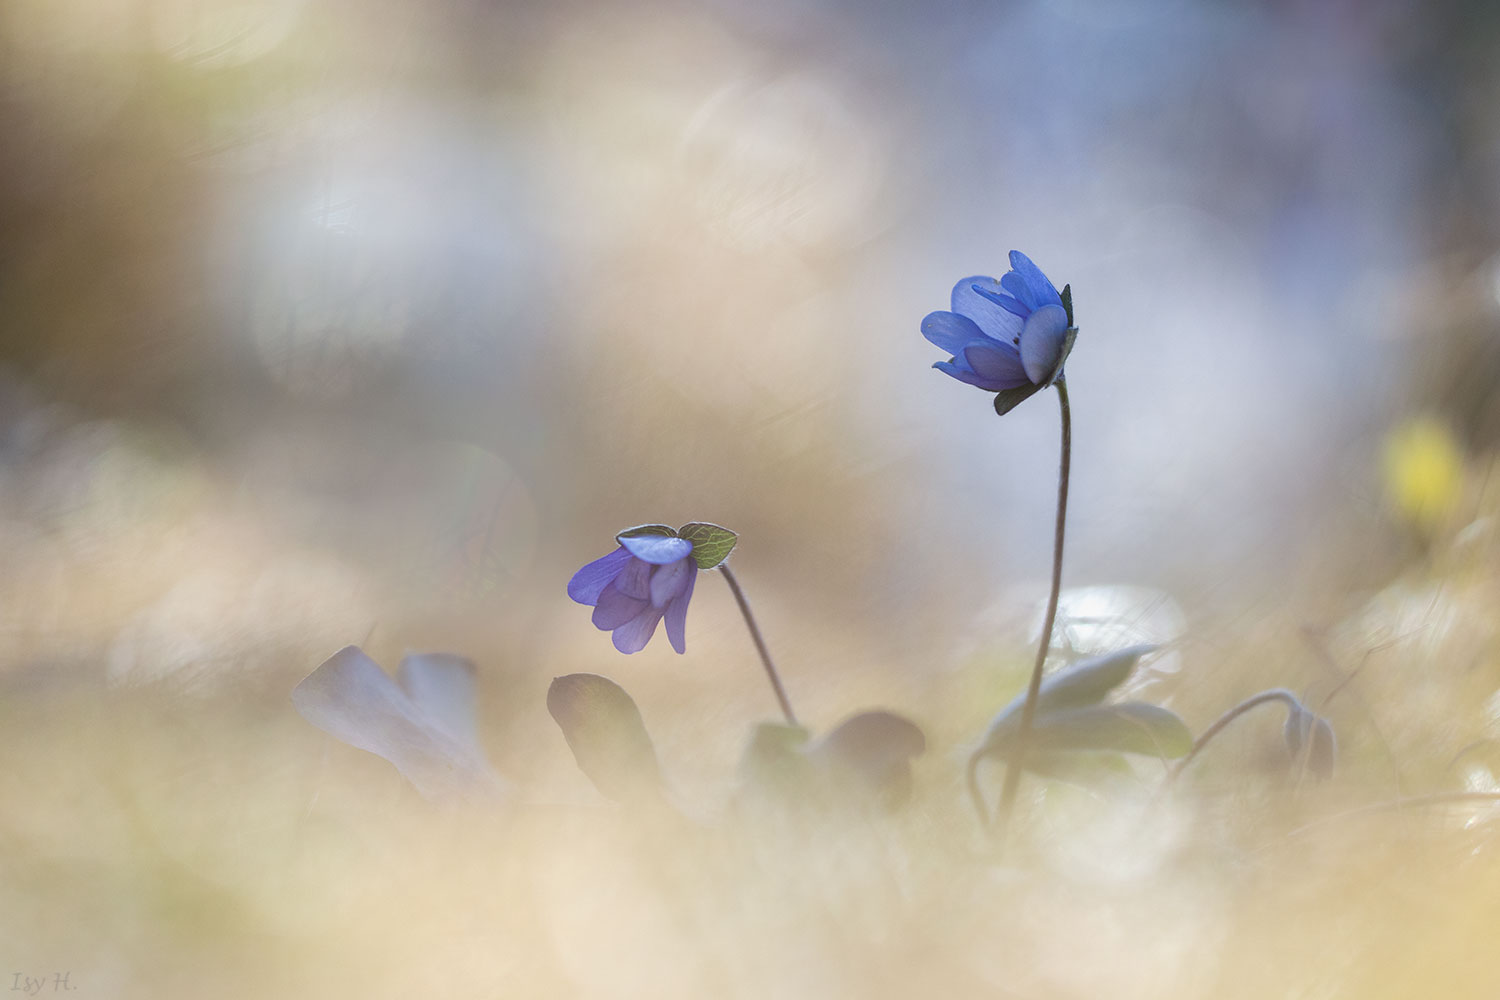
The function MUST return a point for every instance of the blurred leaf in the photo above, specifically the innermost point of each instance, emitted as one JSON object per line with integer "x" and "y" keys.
{"x": 877, "y": 748}
{"x": 1067, "y": 301}
{"x": 773, "y": 759}
{"x": 1132, "y": 727}
{"x": 1087, "y": 682}
{"x": 351, "y": 698}
{"x": 604, "y": 730}
{"x": 1079, "y": 767}
{"x": 647, "y": 529}
{"x": 1294, "y": 731}
{"x": 711, "y": 543}
{"x": 1303, "y": 725}
{"x": 1324, "y": 751}
{"x": 442, "y": 687}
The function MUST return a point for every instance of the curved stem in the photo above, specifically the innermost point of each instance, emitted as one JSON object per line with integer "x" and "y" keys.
{"x": 760, "y": 644}
{"x": 1274, "y": 694}
{"x": 1028, "y": 710}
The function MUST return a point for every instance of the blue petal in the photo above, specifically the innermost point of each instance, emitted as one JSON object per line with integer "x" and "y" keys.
{"x": 1042, "y": 341}
{"x": 657, "y": 549}
{"x": 593, "y": 578}
{"x": 1016, "y": 285}
{"x": 963, "y": 374}
{"x": 998, "y": 364}
{"x": 1009, "y": 303}
{"x": 615, "y": 609}
{"x": 1043, "y": 293}
{"x": 634, "y": 634}
{"x": 677, "y": 611}
{"x": 950, "y": 331}
{"x": 997, "y": 323}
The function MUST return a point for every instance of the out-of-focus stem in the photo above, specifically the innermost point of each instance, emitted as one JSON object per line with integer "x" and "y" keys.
{"x": 1293, "y": 703}
{"x": 760, "y": 644}
{"x": 971, "y": 776}
{"x": 1028, "y": 709}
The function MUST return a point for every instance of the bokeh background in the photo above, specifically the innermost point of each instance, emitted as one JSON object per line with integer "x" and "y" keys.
{"x": 325, "y": 322}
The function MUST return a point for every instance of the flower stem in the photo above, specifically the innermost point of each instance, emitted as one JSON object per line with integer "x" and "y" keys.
{"x": 1028, "y": 710}
{"x": 1274, "y": 694}
{"x": 760, "y": 644}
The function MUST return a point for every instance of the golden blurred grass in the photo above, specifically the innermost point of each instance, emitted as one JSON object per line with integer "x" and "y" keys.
{"x": 189, "y": 835}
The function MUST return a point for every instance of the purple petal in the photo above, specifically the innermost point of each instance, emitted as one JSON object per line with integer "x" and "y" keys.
{"x": 615, "y": 609}
{"x": 1041, "y": 342}
{"x": 950, "y": 331}
{"x": 635, "y": 579}
{"x": 677, "y": 611}
{"x": 997, "y": 323}
{"x": 667, "y": 581}
{"x": 1043, "y": 293}
{"x": 593, "y": 578}
{"x": 657, "y": 549}
{"x": 961, "y": 372}
{"x": 632, "y": 636}
{"x": 997, "y": 364}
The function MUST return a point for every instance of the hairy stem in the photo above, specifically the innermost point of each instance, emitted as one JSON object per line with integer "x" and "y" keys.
{"x": 1028, "y": 710}
{"x": 760, "y": 644}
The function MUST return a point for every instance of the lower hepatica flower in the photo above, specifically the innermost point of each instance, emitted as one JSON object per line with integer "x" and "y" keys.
{"x": 648, "y": 578}
{"x": 1006, "y": 335}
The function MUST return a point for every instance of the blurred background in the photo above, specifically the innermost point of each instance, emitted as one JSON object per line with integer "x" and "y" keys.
{"x": 326, "y": 322}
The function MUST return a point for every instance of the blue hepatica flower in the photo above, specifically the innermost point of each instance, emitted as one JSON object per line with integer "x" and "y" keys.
{"x": 648, "y": 578}
{"x": 1006, "y": 335}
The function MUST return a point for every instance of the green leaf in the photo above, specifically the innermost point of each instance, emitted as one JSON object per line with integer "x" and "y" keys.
{"x": 604, "y": 730}
{"x": 1087, "y": 682}
{"x": 1132, "y": 727}
{"x": 647, "y": 529}
{"x": 1067, "y": 301}
{"x": 711, "y": 543}
{"x": 1009, "y": 399}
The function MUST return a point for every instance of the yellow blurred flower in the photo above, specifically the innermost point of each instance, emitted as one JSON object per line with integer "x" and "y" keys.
{"x": 1423, "y": 470}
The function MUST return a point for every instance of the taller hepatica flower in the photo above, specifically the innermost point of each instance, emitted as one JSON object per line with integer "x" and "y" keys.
{"x": 1010, "y": 336}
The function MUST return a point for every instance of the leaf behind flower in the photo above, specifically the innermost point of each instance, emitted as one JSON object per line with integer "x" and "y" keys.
{"x": 1087, "y": 682}
{"x": 604, "y": 730}
{"x": 712, "y": 543}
